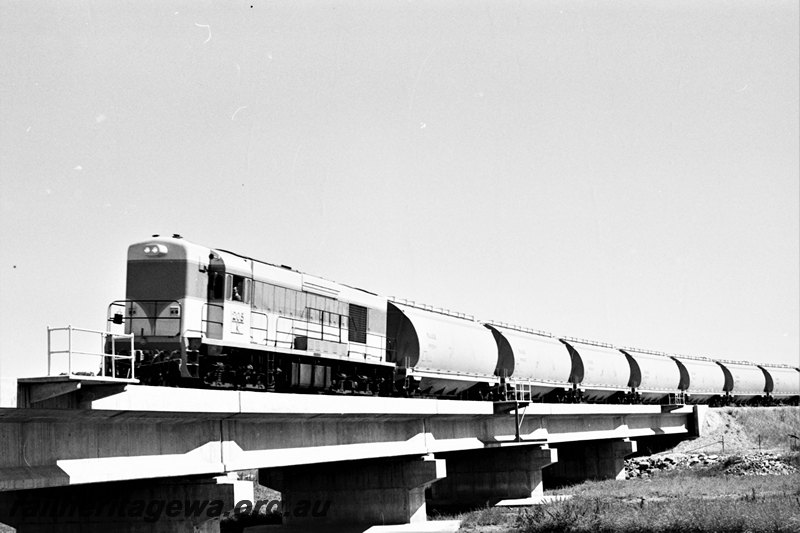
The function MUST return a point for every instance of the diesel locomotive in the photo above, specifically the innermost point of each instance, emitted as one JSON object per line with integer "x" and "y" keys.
{"x": 206, "y": 317}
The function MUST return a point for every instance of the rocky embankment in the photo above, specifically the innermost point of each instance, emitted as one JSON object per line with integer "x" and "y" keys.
{"x": 752, "y": 464}
{"x": 740, "y": 432}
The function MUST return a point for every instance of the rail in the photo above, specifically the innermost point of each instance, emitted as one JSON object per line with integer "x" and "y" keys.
{"x": 77, "y": 342}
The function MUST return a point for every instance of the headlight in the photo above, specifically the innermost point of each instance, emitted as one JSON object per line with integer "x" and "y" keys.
{"x": 155, "y": 249}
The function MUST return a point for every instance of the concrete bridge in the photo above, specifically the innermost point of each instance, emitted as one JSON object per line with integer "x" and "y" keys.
{"x": 364, "y": 460}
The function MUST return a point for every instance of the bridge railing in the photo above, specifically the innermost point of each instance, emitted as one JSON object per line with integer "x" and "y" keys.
{"x": 85, "y": 348}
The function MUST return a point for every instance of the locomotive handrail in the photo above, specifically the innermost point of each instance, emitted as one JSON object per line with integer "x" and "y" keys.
{"x": 315, "y": 330}
{"x": 380, "y": 347}
{"x": 205, "y": 321}
{"x": 288, "y": 329}
{"x": 108, "y": 341}
{"x": 318, "y": 330}
{"x": 254, "y": 328}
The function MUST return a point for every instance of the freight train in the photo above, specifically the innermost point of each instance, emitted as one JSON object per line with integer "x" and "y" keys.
{"x": 206, "y": 317}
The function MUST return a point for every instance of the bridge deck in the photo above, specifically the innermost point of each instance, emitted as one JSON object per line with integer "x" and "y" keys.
{"x": 99, "y": 399}
{"x": 111, "y": 432}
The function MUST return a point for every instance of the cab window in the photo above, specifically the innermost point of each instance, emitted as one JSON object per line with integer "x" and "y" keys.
{"x": 237, "y": 288}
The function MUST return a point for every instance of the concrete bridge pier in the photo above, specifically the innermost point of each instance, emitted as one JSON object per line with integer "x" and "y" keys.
{"x": 594, "y": 459}
{"x": 373, "y": 492}
{"x": 477, "y": 478}
{"x": 174, "y": 505}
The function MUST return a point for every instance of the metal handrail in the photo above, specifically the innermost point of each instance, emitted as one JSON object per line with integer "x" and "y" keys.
{"x": 205, "y": 321}
{"x": 264, "y": 330}
{"x": 302, "y": 327}
{"x": 287, "y": 329}
{"x": 432, "y": 309}
{"x": 589, "y": 342}
{"x": 105, "y": 336}
{"x": 521, "y": 329}
{"x": 677, "y": 398}
{"x": 380, "y": 347}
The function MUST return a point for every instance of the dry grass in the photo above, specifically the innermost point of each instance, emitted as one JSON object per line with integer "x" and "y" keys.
{"x": 672, "y": 502}
{"x": 770, "y": 515}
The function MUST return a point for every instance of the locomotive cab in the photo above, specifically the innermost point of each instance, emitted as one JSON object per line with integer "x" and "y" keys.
{"x": 166, "y": 288}
{"x": 229, "y": 296}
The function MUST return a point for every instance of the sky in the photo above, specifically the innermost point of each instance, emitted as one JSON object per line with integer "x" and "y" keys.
{"x": 626, "y": 172}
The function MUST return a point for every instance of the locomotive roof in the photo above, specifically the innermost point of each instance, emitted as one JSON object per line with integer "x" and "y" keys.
{"x": 286, "y": 267}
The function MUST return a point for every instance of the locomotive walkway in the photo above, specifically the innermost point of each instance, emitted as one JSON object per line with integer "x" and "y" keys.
{"x": 370, "y": 458}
